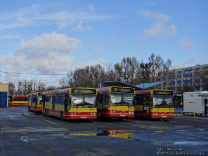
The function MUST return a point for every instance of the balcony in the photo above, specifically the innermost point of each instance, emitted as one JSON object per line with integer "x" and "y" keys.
{"x": 196, "y": 73}
{"x": 171, "y": 88}
{"x": 186, "y": 80}
{"x": 168, "y": 76}
{"x": 197, "y": 86}
{"x": 179, "y": 81}
{"x": 179, "y": 75}
{"x": 196, "y": 80}
{"x": 172, "y": 82}
{"x": 187, "y": 74}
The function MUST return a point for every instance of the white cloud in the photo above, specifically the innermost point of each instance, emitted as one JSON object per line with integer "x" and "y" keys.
{"x": 98, "y": 61}
{"x": 46, "y": 43}
{"x": 14, "y": 63}
{"x": 98, "y": 48}
{"x": 97, "y": 39}
{"x": 47, "y": 53}
{"x": 176, "y": 66}
{"x": 36, "y": 16}
{"x": 79, "y": 27}
{"x": 190, "y": 61}
{"x": 186, "y": 44}
{"x": 22, "y": 20}
{"x": 160, "y": 30}
{"x": 114, "y": 38}
{"x": 154, "y": 15}
{"x": 10, "y": 36}
{"x": 91, "y": 7}
{"x": 206, "y": 61}
{"x": 63, "y": 19}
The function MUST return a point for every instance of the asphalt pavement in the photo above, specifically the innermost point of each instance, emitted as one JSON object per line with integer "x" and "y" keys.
{"x": 24, "y": 133}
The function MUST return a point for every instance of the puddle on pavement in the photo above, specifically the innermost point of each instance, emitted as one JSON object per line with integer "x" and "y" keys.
{"x": 109, "y": 133}
{"x": 191, "y": 143}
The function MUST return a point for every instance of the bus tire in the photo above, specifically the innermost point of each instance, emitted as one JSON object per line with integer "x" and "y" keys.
{"x": 20, "y": 104}
{"x": 44, "y": 112}
{"x": 61, "y": 116}
{"x": 47, "y": 112}
{"x": 137, "y": 115}
{"x": 98, "y": 115}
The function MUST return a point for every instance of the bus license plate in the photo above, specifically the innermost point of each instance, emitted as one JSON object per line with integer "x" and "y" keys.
{"x": 122, "y": 115}
{"x": 83, "y": 117}
{"x": 164, "y": 116}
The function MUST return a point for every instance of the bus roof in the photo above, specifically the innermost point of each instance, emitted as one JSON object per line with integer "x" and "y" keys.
{"x": 56, "y": 91}
{"x": 63, "y": 90}
{"x": 142, "y": 92}
{"x": 33, "y": 93}
{"x": 19, "y": 96}
{"x": 107, "y": 88}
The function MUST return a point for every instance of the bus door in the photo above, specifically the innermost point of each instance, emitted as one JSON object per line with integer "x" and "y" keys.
{"x": 104, "y": 104}
{"x": 206, "y": 106}
{"x": 66, "y": 102}
{"x": 147, "y": 106}
{"x": 43, "y": 101}
{"x": 53, "y": 102}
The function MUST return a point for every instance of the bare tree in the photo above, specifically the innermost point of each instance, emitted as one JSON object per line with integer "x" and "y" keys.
{"x": 19, "y": 90}
{"x": 11, "y": 88}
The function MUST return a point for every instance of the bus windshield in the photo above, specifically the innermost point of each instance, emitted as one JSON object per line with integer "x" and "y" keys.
{"x": 121, "y": 99}
{"x": 162, "y": 101}
{"x": 39, "y": 100}
{"x": 177, "y": 100}
{"x": 83, "y": 100}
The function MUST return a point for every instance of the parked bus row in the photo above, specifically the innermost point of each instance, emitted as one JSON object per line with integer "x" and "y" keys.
{"x": 107, "y": 102}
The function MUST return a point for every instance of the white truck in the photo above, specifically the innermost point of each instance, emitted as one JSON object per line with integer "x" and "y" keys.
{"x": 193, "y": 103}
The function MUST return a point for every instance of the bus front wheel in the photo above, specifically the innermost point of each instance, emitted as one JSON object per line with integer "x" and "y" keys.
{"x": 61, "y": 115}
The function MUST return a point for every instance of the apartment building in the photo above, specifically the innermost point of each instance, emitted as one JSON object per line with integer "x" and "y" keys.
{"x": 190, "y": 78}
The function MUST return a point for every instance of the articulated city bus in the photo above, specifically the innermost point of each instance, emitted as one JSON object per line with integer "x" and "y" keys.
{"x": 71, "y": 103}
{"x": 35, "y": 102}
{"x": 178, "y": 100}
{"x": 115, "y": 101}
{"x": 17, "y": 100}
{"x": 154, "y": 104}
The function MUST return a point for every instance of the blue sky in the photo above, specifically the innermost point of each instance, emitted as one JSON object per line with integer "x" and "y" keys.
{"x": 56, "y": 36}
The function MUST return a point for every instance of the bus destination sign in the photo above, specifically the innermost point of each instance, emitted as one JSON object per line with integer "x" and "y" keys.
{"x": 83, "y": 91}
{"x": 163, "y": 92}
{"x": 124, "y": 90}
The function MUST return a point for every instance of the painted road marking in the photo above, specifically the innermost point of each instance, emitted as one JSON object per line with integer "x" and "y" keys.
{"x": 49, "y": 122}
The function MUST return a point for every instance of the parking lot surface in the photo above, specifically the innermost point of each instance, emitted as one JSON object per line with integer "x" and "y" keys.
{"x": 24, "y": 133}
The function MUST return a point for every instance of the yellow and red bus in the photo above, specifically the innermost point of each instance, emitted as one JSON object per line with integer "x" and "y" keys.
{"x": 154, "y": 104}
{"x": 70, "y": 103}
{"x": 116, "y": 102}
{"x": 17, "y": 100}
{"x": 35, "y": 102}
